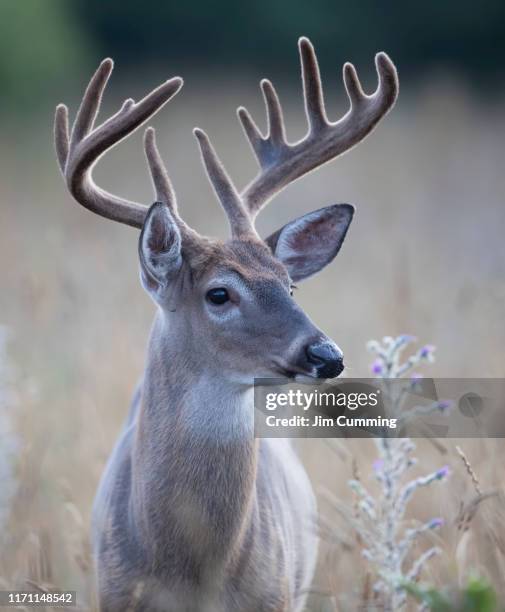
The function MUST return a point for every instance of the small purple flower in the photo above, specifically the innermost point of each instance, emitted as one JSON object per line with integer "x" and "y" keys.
{"x": 442, "y": 473}
{"x": 435, "y": 523}
{"x": 444, "y": 405}
{"x": 427, "y": 351}
{"x": 377, "y": 367}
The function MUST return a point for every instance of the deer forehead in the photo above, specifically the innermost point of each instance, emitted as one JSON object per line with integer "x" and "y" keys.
{"x": 249, "y": 263}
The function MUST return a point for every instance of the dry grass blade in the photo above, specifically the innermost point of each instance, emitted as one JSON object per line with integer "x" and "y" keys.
{"x": 468, "y": 511}
{"x": 470, "y": 470}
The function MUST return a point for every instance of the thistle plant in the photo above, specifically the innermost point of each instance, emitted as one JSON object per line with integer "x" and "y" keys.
{"x": 388, "y": 354}
{"x": 387, "y": 545}
{"x": 388, "y": 366}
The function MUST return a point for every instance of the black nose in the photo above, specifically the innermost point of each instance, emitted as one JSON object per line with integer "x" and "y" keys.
{"x": 327, "y": 358}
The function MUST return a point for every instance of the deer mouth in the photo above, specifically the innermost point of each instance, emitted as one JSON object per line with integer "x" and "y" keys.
{"x": 295, "y": 373}
{"x": 291, "y": 374}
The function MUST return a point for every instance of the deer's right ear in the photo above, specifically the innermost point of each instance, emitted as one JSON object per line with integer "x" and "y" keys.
{"x": 159, "y": 250}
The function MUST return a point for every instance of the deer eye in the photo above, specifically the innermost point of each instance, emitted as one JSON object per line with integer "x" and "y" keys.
{"x": 218, "y": 296}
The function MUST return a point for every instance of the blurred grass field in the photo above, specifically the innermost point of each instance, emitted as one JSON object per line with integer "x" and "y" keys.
{"x": 425, "y": 255}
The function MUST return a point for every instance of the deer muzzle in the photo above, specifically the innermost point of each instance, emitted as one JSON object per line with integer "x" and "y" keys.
{"x": 326, "y": 357}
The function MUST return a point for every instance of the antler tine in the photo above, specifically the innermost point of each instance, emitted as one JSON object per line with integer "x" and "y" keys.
{"x": 61, "y": 136}
{"x": 238, "y": 218}
{"x": 265, "y": 147}
{"x": 252, "y": 133}
{"x": 276, "y": 129}
{"x": 91, "y": 101}
{"x": 282, "y": 163}
{"x": 159, "y": 175}
{"x": 312, "y": 86}
{"x": 352, "y": 84}
{"x": 388, "y": 81}
{"x": 78, "y": 153}
{"x": 163, "y": 185}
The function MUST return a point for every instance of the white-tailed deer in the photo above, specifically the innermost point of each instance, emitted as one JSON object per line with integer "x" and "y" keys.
{"x": 193, "y": 513}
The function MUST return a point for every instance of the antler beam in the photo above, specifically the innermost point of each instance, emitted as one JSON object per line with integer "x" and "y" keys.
{"x": 79, "y": 151}
{"x": 282, "y": 163}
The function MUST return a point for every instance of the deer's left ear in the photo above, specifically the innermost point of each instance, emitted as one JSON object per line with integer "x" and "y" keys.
{"x": 309, "y": 243}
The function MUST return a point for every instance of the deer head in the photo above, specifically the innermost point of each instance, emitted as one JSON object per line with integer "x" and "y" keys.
{"x": 229, "y": 306}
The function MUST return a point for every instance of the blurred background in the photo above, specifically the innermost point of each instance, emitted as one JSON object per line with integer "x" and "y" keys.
{"x": 425, "y": 254}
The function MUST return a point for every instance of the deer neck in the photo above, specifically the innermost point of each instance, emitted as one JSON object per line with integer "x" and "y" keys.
{"x": 194, "y": 456}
